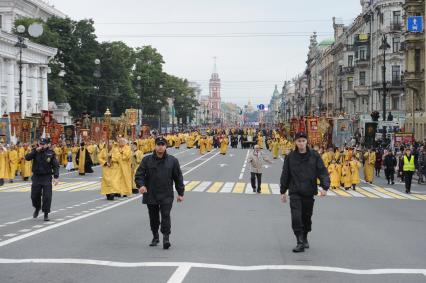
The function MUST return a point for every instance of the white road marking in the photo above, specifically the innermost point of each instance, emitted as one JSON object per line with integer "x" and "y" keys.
{"x": 189, "y": 171}
{"x": 184, "y": 267}
{"x": 24, "y": 230}
{"x": 180, "y": 274}
{"x": 249, "y": 190}
{"x": 355, "y": 194}
{"x": 201, "y": 157}
{"x": 243, "y": 169}
{"x": 373, "y": 191}
{"x": 227, "y": 188}
{"x": 275, "y": 188}
{"x": 37, "y": 226}
{"x": 56, "y": 225}
{"x": 401, "y": 194}
{"x": 10, "y": 235}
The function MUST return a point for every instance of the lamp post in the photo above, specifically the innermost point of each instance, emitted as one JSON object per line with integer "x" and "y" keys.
{"x": 160, "y": 107}
{"x": 340, "y": 86}
{"x": 306, "y": 101}
{"x": 320, "y": 95}
{"x": 173, "y": 110}
{"x": 139, "y": 87}
{"x": 385, "y": 45}
{"x": 97, "y": 75}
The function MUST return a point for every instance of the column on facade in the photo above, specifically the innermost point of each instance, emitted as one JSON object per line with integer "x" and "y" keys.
{"x": 34, "y": 89}
{"x": 44, "y": 94}
{"x": 2, "y": 81}
{"x": 24, "y": 89}
{"x": 10, "y": 86}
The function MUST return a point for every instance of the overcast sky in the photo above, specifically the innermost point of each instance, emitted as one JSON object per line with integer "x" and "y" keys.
{"x": 248, "y": 65}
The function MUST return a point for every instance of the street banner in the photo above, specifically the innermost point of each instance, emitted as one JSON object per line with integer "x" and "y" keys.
{"x": 343, "y": 132}
{"x": 36, "y": 130}
{"x": 132, "y": 116}
{"x": 313, "y": 134}
{"x": 46, "y": 118}
{"x": 4, "y": 130}
{"x": 302, "y": 125}
{"x": 69, "y": 134}
{"x": 404, "y": 138}
{"x": 25, "y": 130}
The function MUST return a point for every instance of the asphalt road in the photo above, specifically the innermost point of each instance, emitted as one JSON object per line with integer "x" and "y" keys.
{"x": 221, "y": 233}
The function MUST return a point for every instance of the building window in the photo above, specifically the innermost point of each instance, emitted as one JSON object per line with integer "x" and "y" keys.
{"x": 417, "y": 60}
{"x": 395, "y": 103}
{"x": 381, "y": 18}
{"x": 363, "y": 53}
{"x": 396, "y": 44}
{"x": 362, "y": 78}
{"x": 1, "y": 22}
{"x": 350, "y": 83}
{"x": 396, "y": 74}
{"x": 396, "y": 18}
{"x": 350, "y": 61}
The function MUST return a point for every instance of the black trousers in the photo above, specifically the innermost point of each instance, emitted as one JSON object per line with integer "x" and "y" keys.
{"x": 389, "y": 174}
{"x": 301, "y": 213}
{"x": 41, "y": 189}
{"x": 408, "y": 177}
{"x": 253, "y": 180}
{"x": 154, "y": 218}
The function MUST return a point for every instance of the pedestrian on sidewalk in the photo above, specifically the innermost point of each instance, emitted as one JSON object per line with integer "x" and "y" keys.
{"x": 256, "y": 160}
{"x": 45, "y": 164}
{"x": 421, "y": 161}
{"x": 154, "y": 179}
{"x": 409, "y": 167}
{"x": 301, "y": 169}
{"x": 390, "y": 163}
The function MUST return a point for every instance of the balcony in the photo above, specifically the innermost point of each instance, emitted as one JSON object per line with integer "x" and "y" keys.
{"x": 348, "y": 70}
{"x": 362, "y": 62}
{"x": 350, "y": 47}
{"x": 395, "y": 27}
{"x": 361, "y": 90}
{"x": 349, "y": 94}
{"x": 395, "y": 84}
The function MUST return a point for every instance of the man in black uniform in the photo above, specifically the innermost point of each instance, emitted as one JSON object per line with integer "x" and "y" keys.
{"x": 302, "y": 167}
{"x": 154, "y": 179}
{"x": 44, "y": 165}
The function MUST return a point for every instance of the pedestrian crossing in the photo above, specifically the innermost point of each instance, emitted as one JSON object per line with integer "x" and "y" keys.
{"x": 61, "y": 187}
{"x": 238, "y": 188}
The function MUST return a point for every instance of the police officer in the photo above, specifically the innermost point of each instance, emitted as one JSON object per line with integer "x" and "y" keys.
{"x": 302, "y": 167}
{"x": 154, "y": 179}
{"x": 408, "y": 167}
{"x": 44, "y": 165}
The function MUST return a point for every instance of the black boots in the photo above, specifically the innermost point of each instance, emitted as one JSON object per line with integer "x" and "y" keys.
{"x": 305, "y": 241}
{"x": 36, "y": 212}
{"x": 166, "y": 242}
{"x": 46, "y": 216}
{"x": 300, "y": 248}
{"x": 155, "y": 241}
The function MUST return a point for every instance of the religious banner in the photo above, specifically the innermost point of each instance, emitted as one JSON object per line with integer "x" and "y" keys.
{"x": 96, "y": 132}
{"x": 56, "y": 132}
{"x": 85, "y": 136}
{"x": 25, "y": 130}
{"x": 132, "y": 116}
{"x": 69, "y": 134}
{"x": 343, "y": 132}
{"x": 404, "y": 138}
{"x": 314, "y": 137}
{"x": 302, "y": 125}
{"x": 146, "y": 131}
{"x": 4, "y": 130}
{"x": 15, "y": 123}
{"x": 46, "y": 118}
{"x": 294, "y": 126}
{"x": 36, "y": 131}
{"x": 324, "y": 131}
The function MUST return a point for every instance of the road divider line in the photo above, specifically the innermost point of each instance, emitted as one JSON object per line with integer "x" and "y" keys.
{"x": 184, "y": 267}
{"x": 201, "y": 157}
{"x": 199, "y": 165}
{"x": 243, "y": 169}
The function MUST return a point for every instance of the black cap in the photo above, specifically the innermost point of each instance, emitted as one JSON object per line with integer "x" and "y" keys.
{"x": 301, "y": 135}
{"x": 44, "y": 141}
{"x": 160, "y": 140}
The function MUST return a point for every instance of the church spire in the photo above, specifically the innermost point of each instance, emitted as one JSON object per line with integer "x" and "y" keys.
{"x": 215, "y": 65}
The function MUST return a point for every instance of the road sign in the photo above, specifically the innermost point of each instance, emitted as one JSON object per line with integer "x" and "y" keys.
{"x": 415, "y": 24}
{"x": 261, "y": 107}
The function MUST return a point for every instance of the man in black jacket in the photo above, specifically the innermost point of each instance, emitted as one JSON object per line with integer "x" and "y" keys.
{"x": 301, "y": 170}
{"x": 390, "y": 164}
{"x": 154, "y": 179}
{"x": 44, "y": 166}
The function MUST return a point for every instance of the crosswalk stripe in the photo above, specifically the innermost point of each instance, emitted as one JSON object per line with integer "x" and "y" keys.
{"x": 341, "y": 193}
{"x": 365, "y": 193}
{"x": 239, "y": 188}
{"x": 68, "y": 186}
{"x": 355, "y": 194}
{"x": 382, "y": 190}
{"x": 191, "y": 185}
{"x": 265, "y": 189}
{"x": 215, "y": 188}
{"x": 227, "y": 188}
{"x": 202, "y": 187}
{"x": 249, "y": 190}
{"x": 275, "y": 188}
{"x": 401, "y": 194}
{"x": 376, "y": 192}
{"x": 423, "y": 197}
{"x": 13, "y": 186}
{"x": 185, "y": 182}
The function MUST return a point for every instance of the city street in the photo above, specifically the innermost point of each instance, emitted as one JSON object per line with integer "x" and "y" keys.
{"x": 222, "y": 232}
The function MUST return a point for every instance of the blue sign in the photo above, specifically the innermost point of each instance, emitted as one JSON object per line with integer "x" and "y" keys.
{"x": 415, "y": 24}
{"x": 261, "y": 107}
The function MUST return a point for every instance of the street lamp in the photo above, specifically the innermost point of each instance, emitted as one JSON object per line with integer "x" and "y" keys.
{"x": 306, "y": 100}
{"x": 385, "y": 45}
{"x": 340, "y": 86}
{"x": 173, "y": 110}
{"x": 97, "y": 75}
{"x": 320, "y": 95}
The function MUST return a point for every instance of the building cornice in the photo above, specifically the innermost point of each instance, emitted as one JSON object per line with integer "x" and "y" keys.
{"x": 12, "y": 39}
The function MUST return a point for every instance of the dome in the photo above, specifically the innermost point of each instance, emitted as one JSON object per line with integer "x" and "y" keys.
{"x": 327, "y": 42}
